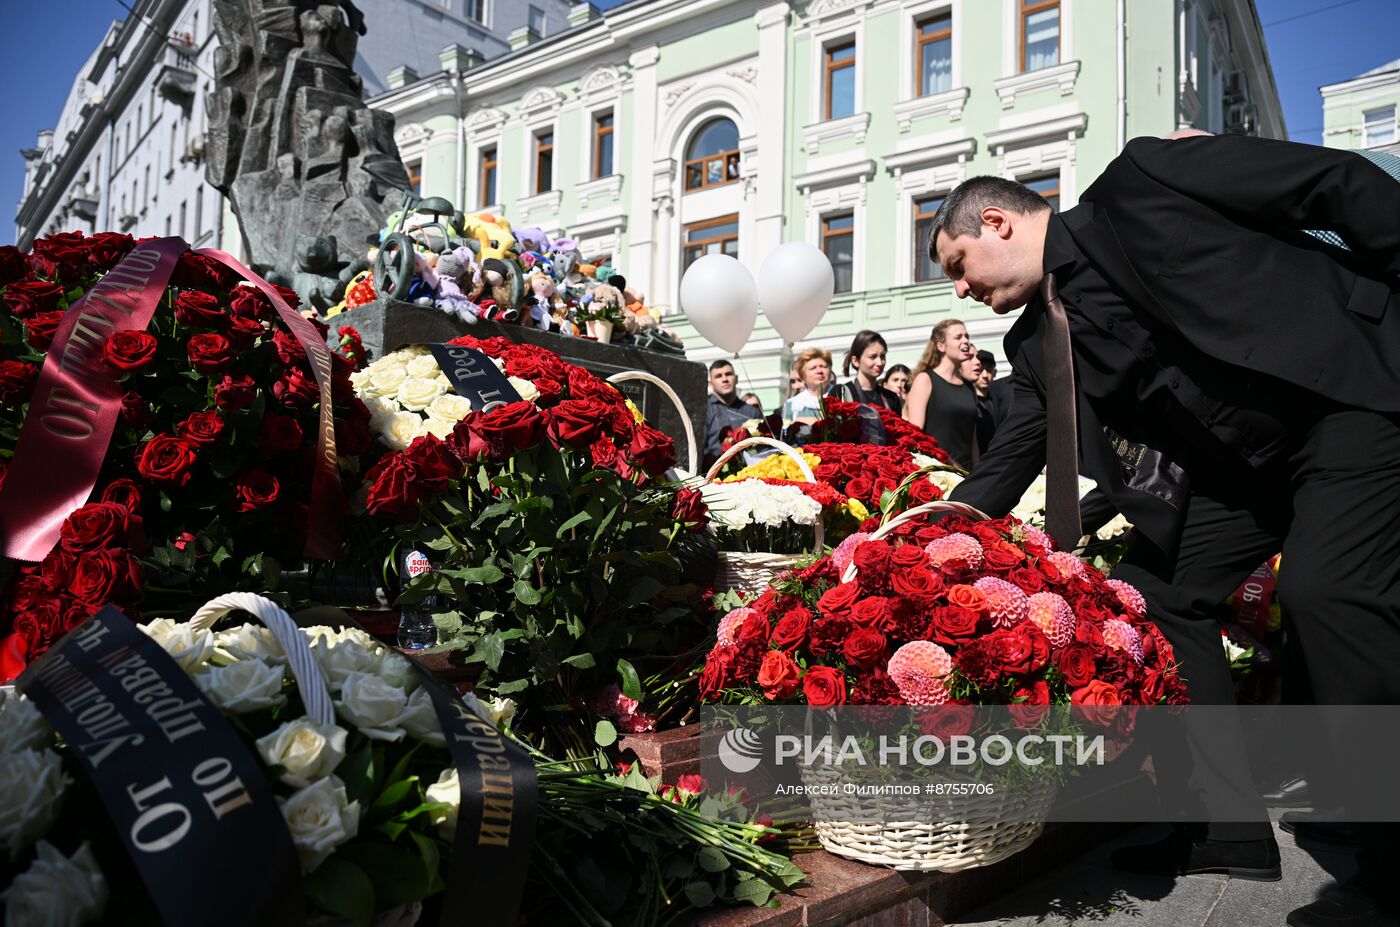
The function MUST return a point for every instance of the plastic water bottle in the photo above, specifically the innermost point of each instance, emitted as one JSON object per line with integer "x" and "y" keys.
{"x": 416, "y": 626}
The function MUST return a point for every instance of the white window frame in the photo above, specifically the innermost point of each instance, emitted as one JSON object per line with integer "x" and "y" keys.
{"x": 1382, "y": 118}
{"x": 590, "y": 113}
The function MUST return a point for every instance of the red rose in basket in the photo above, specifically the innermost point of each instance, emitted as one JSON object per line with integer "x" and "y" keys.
{"x": 919, "y": 611}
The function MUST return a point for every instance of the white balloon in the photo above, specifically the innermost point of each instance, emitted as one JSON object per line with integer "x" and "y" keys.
{"x": 795, "y": 288}
{"x": 719, "y": 297}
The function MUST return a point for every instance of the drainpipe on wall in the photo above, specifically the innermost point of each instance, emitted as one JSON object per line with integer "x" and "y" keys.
{"x": 105, "y": 196}
{"x": 1122, "y": 74}
{"x": 460, "y": 194}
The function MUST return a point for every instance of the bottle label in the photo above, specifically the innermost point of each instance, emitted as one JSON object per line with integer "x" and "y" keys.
{"x": 415, "y": 563}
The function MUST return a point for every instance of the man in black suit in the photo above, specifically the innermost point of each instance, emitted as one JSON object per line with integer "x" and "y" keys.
{"x": 1236, "y": 383}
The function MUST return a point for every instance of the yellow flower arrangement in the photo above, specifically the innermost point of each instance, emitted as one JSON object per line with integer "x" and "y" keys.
{"x": 776, "y": 467}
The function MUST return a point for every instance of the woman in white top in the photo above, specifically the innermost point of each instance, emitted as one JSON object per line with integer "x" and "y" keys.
{"x": 813, "y": 367}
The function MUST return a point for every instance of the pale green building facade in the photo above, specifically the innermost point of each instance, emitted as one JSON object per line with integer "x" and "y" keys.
{"x": 1364, "y": 112}
{"x": 846, "y": 122}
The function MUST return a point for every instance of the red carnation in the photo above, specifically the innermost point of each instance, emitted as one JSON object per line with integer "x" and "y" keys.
{"x": 130, "y": 351}
{"x": 166, "y": 460}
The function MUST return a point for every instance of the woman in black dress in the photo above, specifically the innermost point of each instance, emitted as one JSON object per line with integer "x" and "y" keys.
{"x": 867, "y": 353}
{"x": 940, "y": 401}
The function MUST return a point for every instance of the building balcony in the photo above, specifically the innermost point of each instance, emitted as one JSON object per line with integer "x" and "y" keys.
{"x": 176, "y": 78}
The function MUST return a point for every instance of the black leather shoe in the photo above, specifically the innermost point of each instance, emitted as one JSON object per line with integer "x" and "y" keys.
{"x": 1343, "y": 906}
{"x": 1304, "y": 829}
{"x": 1290, "y": 793}
{"x": 1178, "y": 854}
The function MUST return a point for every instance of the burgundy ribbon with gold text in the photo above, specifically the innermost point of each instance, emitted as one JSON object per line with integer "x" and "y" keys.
{"x": 77, "y": 400}
{"x": 323, "y": 527}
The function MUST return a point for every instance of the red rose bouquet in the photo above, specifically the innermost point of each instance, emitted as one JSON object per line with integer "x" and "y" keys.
{"x": 205, "y": 485}
{"x": 561, "y": 550}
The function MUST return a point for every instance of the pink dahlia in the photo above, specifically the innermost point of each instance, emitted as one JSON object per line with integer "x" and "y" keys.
{"x": 845, "y": 552}
{"x": 1052, "y": 614}
{"x": 1034, "y": 535}
{"x": 1006, "y": 603}
{"x": 918, "y": 669}
{"x": 958, "y": 551}
{"x": 1119, "y": 635}
{"x": 1067, "y": 563}
{"x": 729, "y": 625}
{"x": 1130, "y": 598}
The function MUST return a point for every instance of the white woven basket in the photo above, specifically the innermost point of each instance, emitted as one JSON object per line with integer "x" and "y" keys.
{"x": 750, "y": 573}
{"x": 692, "y": 450}
{"x": 980, "y": 829}
{"x": 988, "y": 829}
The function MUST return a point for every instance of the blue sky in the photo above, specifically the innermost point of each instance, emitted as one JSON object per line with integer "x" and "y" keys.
{"x": 1311, "y": 42}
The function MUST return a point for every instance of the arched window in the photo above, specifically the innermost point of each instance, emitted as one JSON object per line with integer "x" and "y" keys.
{"x": 712, "y": 157}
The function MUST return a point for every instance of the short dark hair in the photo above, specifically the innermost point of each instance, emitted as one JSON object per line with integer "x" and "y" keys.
{"x": 988, "y": 359}
{"x": 716, "y": 365}
{"x": 961, "y": 212}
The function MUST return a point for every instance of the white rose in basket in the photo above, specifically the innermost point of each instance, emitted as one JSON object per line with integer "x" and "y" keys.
{"x": 421, "y": 720}
{"x": 248, "y": 642}
{"x": 32, "y": 784}
{"x": 373, "y": 706}
{"x": 450, "y": 408}
{"x": 248, "y": 685}
{"x": 341, "y": 655}
{"x": 21, "y": 725}
{"x": 190, "y": 648}
{"x": 320, "y": 818}
{"x": 306, "y": 750}
{"x": 447, "y": 791}
{"x": 56, "y": 891}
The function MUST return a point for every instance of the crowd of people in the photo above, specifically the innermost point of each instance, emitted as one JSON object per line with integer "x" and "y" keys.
{"x": 952, "y": 393}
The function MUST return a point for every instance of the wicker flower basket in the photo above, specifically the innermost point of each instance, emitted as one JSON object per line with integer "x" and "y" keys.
{"x": 750, "y": 573}
{"x": 942, "y": 834}
{"x": 692, "y": 448}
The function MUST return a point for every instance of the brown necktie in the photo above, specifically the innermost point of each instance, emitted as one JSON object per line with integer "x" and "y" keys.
{"x": 1062, "y": 431}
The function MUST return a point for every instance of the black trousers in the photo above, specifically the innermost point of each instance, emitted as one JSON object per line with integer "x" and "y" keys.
{"x": 1333, "y": 507}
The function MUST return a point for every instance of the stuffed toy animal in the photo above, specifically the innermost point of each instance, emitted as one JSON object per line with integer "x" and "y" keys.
{"x": 545, "y": 302}
{"x": 505, "y": 286}
{"x": 425, "y": 281}
{"x": 533, "y": 239}
{"x": 493, "y": 235}
{"x": 455, "y": 268}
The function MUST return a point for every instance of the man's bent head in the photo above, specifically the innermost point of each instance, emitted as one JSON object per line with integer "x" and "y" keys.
{"x": 989, "y": 237}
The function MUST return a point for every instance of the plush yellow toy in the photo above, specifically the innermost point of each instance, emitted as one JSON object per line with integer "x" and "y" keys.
{"x": 493, "y": 234}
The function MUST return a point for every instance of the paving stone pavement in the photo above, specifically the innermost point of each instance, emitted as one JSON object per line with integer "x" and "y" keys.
{"x": 1087, "y": 891}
